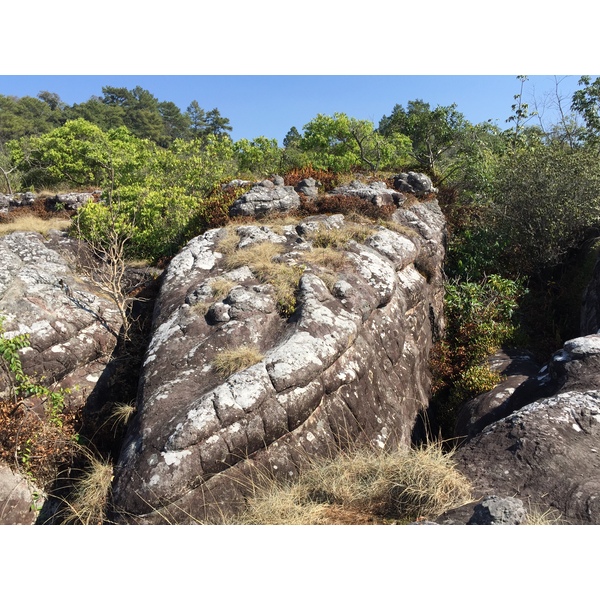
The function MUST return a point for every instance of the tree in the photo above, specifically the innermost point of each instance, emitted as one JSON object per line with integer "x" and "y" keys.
{"x": 176, "y": 124}
{"x": 434, "y": 133}
{"x": 24, "y": 117}
{"x": 545, "y": 197}
{"x": 94, "y": 110}
{"x": 586, "y": 102}
{"x": 216, "y": 124}
{"x": 197, "y": 120}
{"x": 260, "y": 156}
{"x": 292, "y": 138}
{"x": 140, "y": 111}
{"x": 341, "y": 143}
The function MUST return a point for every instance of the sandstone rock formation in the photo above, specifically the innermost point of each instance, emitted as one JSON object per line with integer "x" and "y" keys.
{"x": 18, "y": 498}
{"x": 72, "y": 327}
{"x": 377, "y": 193}
{"x": 418, "y": 184}
{"x": 265, "y": 197}
{"x": 545, "y": 450}
{"x": 346, "y": 363}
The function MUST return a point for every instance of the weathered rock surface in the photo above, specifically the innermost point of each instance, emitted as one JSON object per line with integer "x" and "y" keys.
{"x": 71, "y": 326}
{"x": 14, "y": 200}
{"x": 265, "y": 197}
{"x": 377, "y": 193}
{"x": 545, "y": 450}
{"x": 309, "y": 187}
{"x": 351, "y": 363}
{"x": 418, "y": 184}
{"x": 17, "y": 498}
{"x": 516, "y": 368}
{"x": 72, "y": 200}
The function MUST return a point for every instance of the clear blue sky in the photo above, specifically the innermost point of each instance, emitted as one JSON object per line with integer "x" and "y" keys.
{"x": 268, "y": 65}
{"x": 270, "y": 105}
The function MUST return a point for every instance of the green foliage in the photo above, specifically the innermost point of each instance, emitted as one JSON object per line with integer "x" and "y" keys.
{"x": 260, "y": 157}
{"x": 341, "y": 144}
{"x": 79, "y": 153}
{"x": 21, "y": 384}
{"x": 586, "y": 102}
{"x": 433, "y": 133}
{"x": 157, "y": 194}
{"x": 544, "y": 199}
{"x": 480, "y": 316}
{"x": 23, "y": 117}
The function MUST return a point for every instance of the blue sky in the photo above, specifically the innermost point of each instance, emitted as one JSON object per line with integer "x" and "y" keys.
{"x": 268, "y": 66}
{"x": 270, "y": 105}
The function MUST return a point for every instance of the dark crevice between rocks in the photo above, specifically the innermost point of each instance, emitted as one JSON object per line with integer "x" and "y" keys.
{"x": 100, "y": 433}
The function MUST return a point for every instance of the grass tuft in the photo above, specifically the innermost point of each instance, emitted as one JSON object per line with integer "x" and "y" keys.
{"x": 284, "y": 278}
{"x": 237, "y": 359}
{"x": 401, "y": 485}
{"x": 92, "y": 491}
{"x": 29, "y": 222}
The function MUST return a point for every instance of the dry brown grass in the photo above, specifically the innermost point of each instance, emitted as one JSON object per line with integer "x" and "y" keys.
{"x": 328, "y": 258}
{"x": 536, "y": 516}
{"x": 237, "y": 359}
{"x": 283, "y": 277}
{"x": 30, "y": 222}
{"x": 338, "y": 238}
{"x": 90, "y": 498}
{"x": 228, "y": 244}
{"x": 121, "y": 414}
{"x": 221, "y": 286}
{"x": 399, "y": 486}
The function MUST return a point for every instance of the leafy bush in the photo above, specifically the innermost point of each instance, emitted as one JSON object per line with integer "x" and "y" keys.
{"x": 38, "y": 445}
{"x": 480, "y": 319}
{"x": 545, "y": 198}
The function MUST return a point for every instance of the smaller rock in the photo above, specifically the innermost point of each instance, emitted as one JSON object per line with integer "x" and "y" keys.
{"x": 377, "y": 193}
{"x": 418, "y": 184}
{"x": 498, "y": 511}
{"x": 71, "y": 201}
{"x": 264, "y": 198}
{"x": 308, "y": 187}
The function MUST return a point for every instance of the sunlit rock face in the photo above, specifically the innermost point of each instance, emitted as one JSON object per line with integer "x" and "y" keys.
{"x": 348, "y": 364}
{"x": 72, "y": 325}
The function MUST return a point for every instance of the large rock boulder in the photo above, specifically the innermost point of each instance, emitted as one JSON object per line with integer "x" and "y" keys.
{"x": 72, "y": 326}
{"x": 417, "y": 184}
{"x": 350, "y": 364}
{"x": 376, "y": 192}
{"x": 544, "y": 451}
{"x": 265, "y": 197}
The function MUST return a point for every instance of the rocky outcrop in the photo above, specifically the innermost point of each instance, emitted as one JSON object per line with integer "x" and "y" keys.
{"x": 265, "y": 197}
{"x": 376, "y": 192}
{"x": 72, "y": 328}
{"x": 15, "y": 200}
{"x": 517, "y": 369}
{"x": 349, "y": 364}
{"x": 309, "y": 187}
{"x": 418, "y": 184}
{"x": 545, "y": 451}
